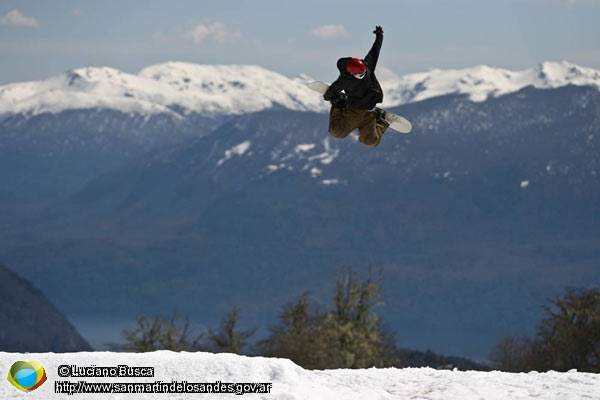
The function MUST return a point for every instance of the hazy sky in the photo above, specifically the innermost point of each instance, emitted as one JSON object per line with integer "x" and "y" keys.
{"x": 42, "y": 38}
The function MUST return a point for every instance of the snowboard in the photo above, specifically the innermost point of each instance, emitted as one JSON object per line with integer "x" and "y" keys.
{"x": 397, "y": 123}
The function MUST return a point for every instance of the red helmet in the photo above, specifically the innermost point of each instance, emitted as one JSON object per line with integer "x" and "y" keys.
{"x": 356, "y": 66}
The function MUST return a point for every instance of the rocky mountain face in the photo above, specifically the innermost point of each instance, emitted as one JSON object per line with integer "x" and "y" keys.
{"x": 30, "y": 323}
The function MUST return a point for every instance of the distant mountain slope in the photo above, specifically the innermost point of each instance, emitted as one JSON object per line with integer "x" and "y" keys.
{"x": 102, "y": 118}
{"x": 478, "y": 216}
{"x": 481, "y": 82}
{"x": 176, "y": 89}
{"x": 30, "y": 323}
{"x": 179, "y": 89}
{"x": 189, "y": 181}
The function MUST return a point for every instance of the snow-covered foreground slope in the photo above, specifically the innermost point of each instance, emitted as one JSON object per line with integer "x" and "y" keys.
{"x": 181, "y": 88}
{"x": 289, "y": 381}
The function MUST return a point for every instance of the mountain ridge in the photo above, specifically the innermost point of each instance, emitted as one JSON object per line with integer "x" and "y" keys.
{"x": 477, "y": 218}
{"x": 30, "y": 322}
{"x": 179, "y": 89}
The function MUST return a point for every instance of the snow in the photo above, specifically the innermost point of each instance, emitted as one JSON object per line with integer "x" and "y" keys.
{"x": 314, "y": 172}
{"x": 272, "y": 167}
{"x": 179, "y": 88}
{"x": 163, "y": 88}
{"x": 302, "y": 148}
{"x": 290, "y": 382}
{"x": 237, "y": 150}
{"x": 482, "y": 82}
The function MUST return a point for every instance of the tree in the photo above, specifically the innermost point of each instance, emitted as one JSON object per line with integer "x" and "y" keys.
{"x": 570, "y": 332}
{"x": 228, "y": 339}
{"x": 347, "y": 336}
{"x": 353, "y": 331}
{"x": 568, "y": 337}
{"x": 298, "y": 335}
{"x": 512, "y": 354}
{"x": 159, "y": 334}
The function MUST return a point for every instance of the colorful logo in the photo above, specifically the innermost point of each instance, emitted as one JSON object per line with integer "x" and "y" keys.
{"x": 27, "y": 375}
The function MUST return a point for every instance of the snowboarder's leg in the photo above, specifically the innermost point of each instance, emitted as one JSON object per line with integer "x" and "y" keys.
{"x": 372, "y": 128}
{"x": 341, "y": 123}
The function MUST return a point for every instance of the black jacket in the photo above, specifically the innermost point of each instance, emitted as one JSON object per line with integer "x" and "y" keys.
{"x": 365, "y": 93}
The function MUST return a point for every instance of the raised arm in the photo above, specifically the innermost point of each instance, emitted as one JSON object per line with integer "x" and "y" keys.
{"x": 373, "y": 55}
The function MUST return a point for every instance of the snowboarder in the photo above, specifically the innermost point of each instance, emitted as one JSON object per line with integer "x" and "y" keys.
{"x": 355, "y": 94}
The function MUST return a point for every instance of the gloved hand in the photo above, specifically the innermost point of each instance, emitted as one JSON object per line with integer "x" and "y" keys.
{"x": 340, "y": 102}
{"x": 378, "y": 30}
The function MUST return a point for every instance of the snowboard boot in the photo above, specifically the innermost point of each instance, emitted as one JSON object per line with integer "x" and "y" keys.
{"x": 380, "y": 116}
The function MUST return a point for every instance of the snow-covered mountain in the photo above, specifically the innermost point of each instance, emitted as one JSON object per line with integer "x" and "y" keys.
{"x": 482, "y": 213}
{"x": 485, "y": 209}
{"x": 482, "y": 82}
{"x": 181, "y": 88}
{"x": 173, "y": 88}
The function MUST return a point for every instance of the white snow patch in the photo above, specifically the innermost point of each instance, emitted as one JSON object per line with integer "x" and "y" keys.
{"x": 237, "y": 150}
{"x": 291, "y": 382}
{"x": 328, "y": 155}
{"x": 314, "y": 172}
{"x": 273, "y": 168}
{"x": 303, "y": 148}
{"x": 325, "y": 158}
{"x": 330, "y": 181}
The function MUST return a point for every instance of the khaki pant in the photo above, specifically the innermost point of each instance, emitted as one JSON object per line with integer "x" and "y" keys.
{"x": 342, "y": 123}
